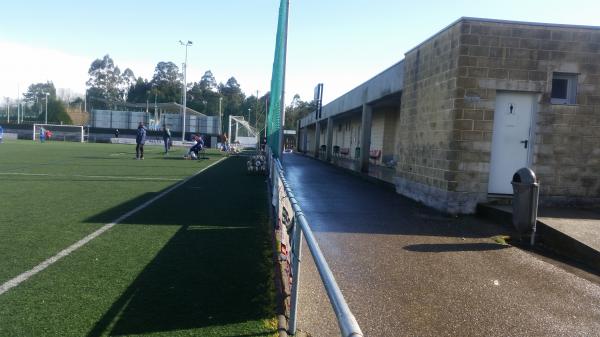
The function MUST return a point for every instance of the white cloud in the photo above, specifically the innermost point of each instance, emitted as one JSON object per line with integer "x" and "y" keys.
{"x": 22, "y": 65}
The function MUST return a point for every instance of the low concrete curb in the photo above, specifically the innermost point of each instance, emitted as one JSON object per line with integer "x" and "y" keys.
{"x": 548, "y": 237}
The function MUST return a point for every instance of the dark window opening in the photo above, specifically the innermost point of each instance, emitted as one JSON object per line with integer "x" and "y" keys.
{"x": 559, "y": 88}
{"x": 564, "y": 88}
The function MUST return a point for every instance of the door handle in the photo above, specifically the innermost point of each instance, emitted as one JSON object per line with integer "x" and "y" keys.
{"x": 525, "y": 142}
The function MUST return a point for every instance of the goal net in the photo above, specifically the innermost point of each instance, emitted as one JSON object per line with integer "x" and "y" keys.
{"x": 67, "y": 133}
{"x": 241, "y": 132}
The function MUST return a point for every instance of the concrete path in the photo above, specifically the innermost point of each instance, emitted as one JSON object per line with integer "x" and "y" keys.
{"x": 406, "y": 270}
{"x": 573, "y": 233}
{"x": 581, "y": 224}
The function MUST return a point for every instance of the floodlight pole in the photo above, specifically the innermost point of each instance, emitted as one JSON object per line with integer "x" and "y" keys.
{"x": 256, "y": 111}
{"x": 220, "y": 116}
{"x": 46, "y": 119}
{"x": 183, "y": 108}
{"x": 7, "y": 109}
{"x": 18, "y": 104}
{"x": 230, "y": 136}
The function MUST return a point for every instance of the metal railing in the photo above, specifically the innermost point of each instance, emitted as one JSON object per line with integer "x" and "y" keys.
{"x": 347, "y": 322}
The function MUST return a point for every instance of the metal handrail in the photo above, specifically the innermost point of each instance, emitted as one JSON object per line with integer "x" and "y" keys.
{"x": 347, "y": 322}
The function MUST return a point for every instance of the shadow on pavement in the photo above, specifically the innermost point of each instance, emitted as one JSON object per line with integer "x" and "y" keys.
{"x": 451, "y": 247}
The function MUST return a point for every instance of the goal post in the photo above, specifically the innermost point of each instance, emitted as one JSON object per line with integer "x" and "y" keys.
{"x": 68, "y": 133}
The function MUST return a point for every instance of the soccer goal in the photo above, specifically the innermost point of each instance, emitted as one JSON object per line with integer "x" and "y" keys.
{"x": 243, "y": 133}
{"x": 67, "y": 133}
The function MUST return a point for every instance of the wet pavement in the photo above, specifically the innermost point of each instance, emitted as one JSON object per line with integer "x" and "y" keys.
{"x": 406, "y": 270}
{"x": 573, "y": 233}
{"x": 385, "y": 174}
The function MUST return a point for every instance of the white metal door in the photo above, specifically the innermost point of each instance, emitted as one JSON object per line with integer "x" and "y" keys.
{"x": 511, "y": 141}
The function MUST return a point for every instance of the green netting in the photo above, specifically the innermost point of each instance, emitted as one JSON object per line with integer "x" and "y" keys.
{"x": 274, "y": 121}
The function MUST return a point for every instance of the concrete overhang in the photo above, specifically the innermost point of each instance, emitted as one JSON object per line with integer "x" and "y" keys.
{"x": 171, "y": 107}
{"x": 386, "y": 84}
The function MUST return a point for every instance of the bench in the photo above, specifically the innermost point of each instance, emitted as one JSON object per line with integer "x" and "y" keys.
{"x": 344, "y": 151}
{"x": 374, "y": 155}
{"x": 322, "y": 151}
{"x": 388, "y": 160}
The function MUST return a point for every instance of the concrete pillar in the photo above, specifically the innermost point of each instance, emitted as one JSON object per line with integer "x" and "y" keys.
{"x": 297, "y": 149}
{"x": 317, "y": 139}
{"x": 365, "y": 139}
{"x": 329, "y": 138}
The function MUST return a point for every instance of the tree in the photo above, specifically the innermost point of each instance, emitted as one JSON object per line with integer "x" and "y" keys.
{"x": 140, "y": 91}
{"x": 297, "y": 110}
{"x": 203, "y": 95}
{"x": 128, "y": 80}
{"x": 38, "y": 90}
{"x": 208, "y": 82}
{"x": 166, "y": 72}
{"x": 106, "y": 79}
{"x": 166, "y": 82}
{"x": 36, "y": 94}
{"x": 233, "y": 97}
{"x": 261, "y": 111}
{"x": 57, "y": 113}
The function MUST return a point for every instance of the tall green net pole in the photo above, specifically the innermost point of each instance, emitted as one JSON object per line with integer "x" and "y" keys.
{"x": 275, "y": 116}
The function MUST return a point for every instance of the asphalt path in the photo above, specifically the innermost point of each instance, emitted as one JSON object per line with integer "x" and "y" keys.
{"x": 406, "y": 270}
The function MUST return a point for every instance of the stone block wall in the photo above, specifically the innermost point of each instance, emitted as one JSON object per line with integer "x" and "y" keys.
{"x": 425, "y": 126}
{"x": 444, "y": 130}
{"x": 508, "y": 56}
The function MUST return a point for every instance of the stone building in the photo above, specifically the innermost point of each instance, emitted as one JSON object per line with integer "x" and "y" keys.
{"x": 468, "y": 107}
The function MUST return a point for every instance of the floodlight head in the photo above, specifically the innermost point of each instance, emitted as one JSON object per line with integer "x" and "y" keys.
{"x": 189, "y": 42}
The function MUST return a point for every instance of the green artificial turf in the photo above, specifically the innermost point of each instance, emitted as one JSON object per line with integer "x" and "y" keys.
{"x": 197, "y": 262}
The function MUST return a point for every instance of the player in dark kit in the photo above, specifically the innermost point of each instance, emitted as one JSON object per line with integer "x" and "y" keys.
{"x": 140, "y": 140}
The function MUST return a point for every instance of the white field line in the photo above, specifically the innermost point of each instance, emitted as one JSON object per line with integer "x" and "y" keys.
{"x": 65, "y": 252}
{"x": 86, "y": 176}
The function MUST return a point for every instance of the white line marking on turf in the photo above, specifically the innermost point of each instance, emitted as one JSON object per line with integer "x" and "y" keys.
{"x": 86, "y": 176}
{"x": 65, "y": 252}
{"x": 128, "y": 178}
{"x": 24, "y": 174}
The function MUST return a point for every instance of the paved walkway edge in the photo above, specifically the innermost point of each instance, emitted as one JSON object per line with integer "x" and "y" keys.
{"x": 362, "y": 175}
{"x": 550, "y": 238}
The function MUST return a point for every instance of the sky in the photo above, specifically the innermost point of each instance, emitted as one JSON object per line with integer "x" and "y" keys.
{"x": 341, "y": 43}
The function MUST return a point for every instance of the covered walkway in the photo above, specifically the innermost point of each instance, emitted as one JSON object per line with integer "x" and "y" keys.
{"x": 407, "y": 270}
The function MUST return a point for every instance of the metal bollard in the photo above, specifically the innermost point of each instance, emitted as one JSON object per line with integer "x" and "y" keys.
{"x": 525, "y": 202}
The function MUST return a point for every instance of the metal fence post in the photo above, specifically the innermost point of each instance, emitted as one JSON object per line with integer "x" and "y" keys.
{"x": 347, "y": 322}
{"x": 296, "y": 255}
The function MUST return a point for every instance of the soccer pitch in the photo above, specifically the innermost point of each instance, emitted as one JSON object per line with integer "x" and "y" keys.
{"x": 194, "y": 262}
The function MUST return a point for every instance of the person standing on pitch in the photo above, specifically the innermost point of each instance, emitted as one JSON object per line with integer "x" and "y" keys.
{"x": 167, "y": 139}
{"x": 42, "y": 135}
{"x": 140, "y": 140}
{"x": 1, "y": 133}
